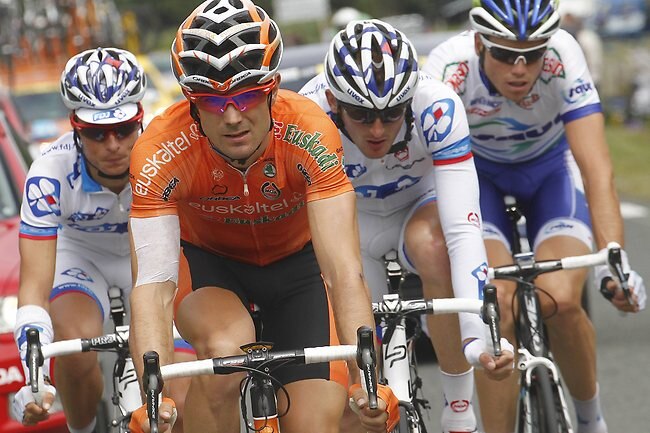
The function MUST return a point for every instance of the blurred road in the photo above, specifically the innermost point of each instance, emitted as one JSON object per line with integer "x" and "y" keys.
{"x": 623, "y": 346}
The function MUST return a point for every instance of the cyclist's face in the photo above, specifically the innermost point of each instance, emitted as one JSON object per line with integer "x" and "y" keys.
{"x": 109, "y": 151}
{"x": 373, "y": 139}
{"x": 513, "y": 81}
{"x": 238, "y": 133}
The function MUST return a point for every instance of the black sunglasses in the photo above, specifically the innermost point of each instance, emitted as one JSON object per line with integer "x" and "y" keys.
{"x": 96, "y": 133}
{"x": 511, "y": 55}
{"x": 368, "y": 115}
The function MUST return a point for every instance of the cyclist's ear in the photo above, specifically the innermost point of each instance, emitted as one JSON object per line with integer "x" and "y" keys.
{"x": 331, "y": 100}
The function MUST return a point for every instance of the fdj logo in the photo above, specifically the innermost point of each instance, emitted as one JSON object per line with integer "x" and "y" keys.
{"x": 109, "y": 114}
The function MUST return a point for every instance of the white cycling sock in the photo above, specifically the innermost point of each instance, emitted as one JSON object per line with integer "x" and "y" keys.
{"x": 589, "y": 415}
{"x": 88, "y": 429}
{"x": 458, "y": 414}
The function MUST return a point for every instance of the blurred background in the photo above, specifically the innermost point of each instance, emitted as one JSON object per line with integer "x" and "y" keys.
{"x": 38, "y": 36}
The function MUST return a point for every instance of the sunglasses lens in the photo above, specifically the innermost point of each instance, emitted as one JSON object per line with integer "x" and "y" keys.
{"x": 364, "y": 115}
{"x": 510, "y": 57}
{"x": 242, "y": 101}
{"x": 101, "y": 134}
{"x": 393, "y": 114}
{"x": 126, "y": 129}
{"x": 95, "y": 134}
{"x": 360, "y": 114}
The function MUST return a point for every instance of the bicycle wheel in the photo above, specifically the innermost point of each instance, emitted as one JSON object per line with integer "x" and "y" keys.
{"x": 538, "y": 408}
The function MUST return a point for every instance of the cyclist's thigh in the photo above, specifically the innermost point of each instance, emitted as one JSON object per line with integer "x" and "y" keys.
{"x": 87, "y": 273}
{"x": 559, "y": 206}
{"x": 407, "y": 236}
{"x": 378, "y": 234}
{"x": 316, "y": 406}
{"x": 295, "y": 311}
{"x": 214, "y": 318}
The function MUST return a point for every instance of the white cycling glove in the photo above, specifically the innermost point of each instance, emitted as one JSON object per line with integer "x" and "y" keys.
{"x": 24, "y": 397}
{"x": 603, "y": 275}
{"x": 32, "y": 316}
{"x": 475, "y": 348}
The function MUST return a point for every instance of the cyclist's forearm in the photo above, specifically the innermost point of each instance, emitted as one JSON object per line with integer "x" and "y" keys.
{"x": 37, "y": 261}
{"x": 151, "y": 322}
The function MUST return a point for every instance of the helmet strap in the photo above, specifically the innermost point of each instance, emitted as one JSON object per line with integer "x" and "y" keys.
{"x": 481, "y": 63}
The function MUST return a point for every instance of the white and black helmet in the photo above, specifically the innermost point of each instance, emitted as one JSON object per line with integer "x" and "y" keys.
{"x": 224, "y": 45}
{"x": 103, "y": 85}
{"x": 371, "y": 64}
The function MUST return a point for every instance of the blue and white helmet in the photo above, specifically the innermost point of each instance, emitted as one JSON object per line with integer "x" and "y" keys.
{"x": 103, "y": 85}
{"x": 371, "y": 64}
{"x": 517, "y": 20}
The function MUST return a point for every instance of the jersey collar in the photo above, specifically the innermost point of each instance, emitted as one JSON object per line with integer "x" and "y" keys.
{"x": 88, "y": 184}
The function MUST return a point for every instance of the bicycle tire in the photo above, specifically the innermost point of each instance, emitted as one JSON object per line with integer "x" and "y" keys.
{"x": 543, "y": 406}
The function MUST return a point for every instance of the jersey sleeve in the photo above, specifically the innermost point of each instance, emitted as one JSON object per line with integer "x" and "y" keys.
{"x": 321, "y": 158}
{"x": 40, "y": 211}
{"x": 441, "y": 118}
{"x": 579, "y": 94}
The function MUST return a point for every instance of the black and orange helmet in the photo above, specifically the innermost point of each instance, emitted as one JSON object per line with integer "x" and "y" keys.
{"x": 225, "y": 45}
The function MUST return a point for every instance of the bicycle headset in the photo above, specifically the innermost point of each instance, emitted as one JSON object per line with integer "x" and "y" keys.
{"x": 224, "y": 46}
{"x": 96, "y": 83}
{"x": 372, "y": 65}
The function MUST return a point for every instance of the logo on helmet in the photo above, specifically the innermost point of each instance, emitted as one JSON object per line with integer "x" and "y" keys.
{"x": 115, "y": 113}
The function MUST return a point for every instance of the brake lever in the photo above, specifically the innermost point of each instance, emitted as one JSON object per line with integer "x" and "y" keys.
{"x": 153, "y": 384}
{"x": 367, "y": 361}
{"x": 490, "y": 315}
{"x": 34, "y": 360}
{"x": 615, "y": 262}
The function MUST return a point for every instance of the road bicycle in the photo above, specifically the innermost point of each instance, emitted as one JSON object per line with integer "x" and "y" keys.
{"x": 125, "y": 396}
{"x": 395, "y": 317}
{"x": 541, "y": 405}
{"x": 258, "y": 362}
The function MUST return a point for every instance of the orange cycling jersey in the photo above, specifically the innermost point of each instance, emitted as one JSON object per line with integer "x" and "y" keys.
{"x": 257, "y": 215}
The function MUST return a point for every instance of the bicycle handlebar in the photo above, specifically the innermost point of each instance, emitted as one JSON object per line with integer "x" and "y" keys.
{"x": 529, "y": 268}
{"x": 487, "y": 309}
{"x": 259, "y": 354}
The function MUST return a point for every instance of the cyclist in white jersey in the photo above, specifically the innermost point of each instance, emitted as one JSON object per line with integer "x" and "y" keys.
{"x": 406, "y": 145}
{"x": 534, "y": 113}
{"x": 74, "y": 243}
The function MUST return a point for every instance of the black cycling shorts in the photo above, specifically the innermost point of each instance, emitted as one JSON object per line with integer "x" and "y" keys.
{"x": 294, "y": 310}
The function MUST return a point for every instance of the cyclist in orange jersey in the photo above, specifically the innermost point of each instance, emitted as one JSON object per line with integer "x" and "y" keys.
{"x": 248, "y": 179}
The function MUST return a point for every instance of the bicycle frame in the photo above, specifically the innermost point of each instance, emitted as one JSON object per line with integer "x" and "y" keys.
{"x": 541, "y": 405}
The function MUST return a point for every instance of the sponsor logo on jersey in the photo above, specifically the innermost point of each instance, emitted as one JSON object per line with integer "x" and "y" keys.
{"x": 474, "y": 219}
{"x": 437, "y": 120}
{"x": 520, "y": 131}
{"x": 480, "y": 273}
{"x": 557, "y": 227}
{"x": 241, "y": 209}
{"x": 354, "y": 171}
{"x": 459, "y": 406}
{"x": 483, "y": 106}
{"x": 44, "y": 196}
{"x": 270, "y": 191}
{"x": 406, "y": 166}
{"x": 304, "y": 173}
{"x": 167, "y": 152}
{"x": 402, "y": 155}
{"x": 310, "y": 142}
{"x": 169, "y": 188}
{"x": 99, "y": 213}
{"x": 387, "y": 189}
{"x": 553, "y": 66}
{"x": 528, "y": 101}
{"x": 237, "y": 214}
{"x": 269, "y": 170}
{"x": 454, "y": 75}
{"x": 103, "y": 228}
{"x": 219, "y": 192}
{"x": 78, "y": 274}
{"x": 579, "y": 91}
{"x": 217, "y": 174}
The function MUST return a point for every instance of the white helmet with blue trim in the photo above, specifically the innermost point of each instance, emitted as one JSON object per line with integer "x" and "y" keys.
{"x": 371, "y": 64}
{"x": 103, "y": 85}
{"x": 517, "y": 20}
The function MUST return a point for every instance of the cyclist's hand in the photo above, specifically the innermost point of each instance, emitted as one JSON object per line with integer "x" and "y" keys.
{"x": 612, "y": 291}
{"x": 380, "y": 420}
{"x": 167, "y": 417}
{"x": 25, "y": 407}
{"x": 478, "y": 353}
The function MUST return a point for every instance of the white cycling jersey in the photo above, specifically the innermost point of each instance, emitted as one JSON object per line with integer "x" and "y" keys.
{"x": 436, "y": 163}
{"x": 505, "y": 131}
{"x": 61, "y": 201}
